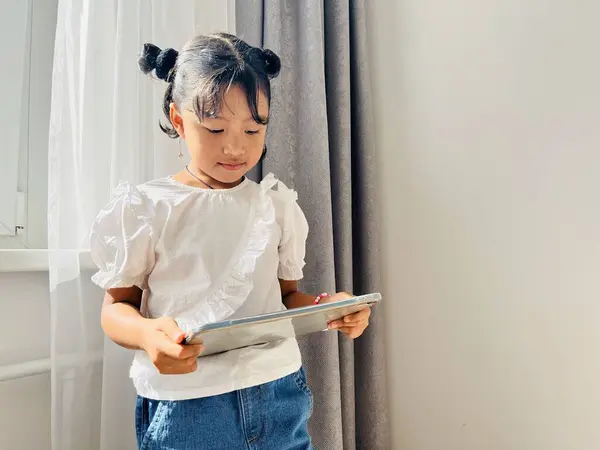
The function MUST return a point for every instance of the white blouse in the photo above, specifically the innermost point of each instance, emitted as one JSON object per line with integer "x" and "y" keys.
{"x": 204, "y": 256}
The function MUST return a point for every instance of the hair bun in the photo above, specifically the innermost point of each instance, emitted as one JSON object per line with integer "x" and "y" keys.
{"x": 272, "y": 63}
{"x": 161, "y": 61}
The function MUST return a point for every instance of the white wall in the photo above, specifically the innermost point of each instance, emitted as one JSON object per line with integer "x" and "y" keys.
{"x": 24, "y": 337}
{"x": 488, "y": 120}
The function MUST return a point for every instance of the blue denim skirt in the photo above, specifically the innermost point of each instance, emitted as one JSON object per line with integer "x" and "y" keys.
{"x": 269, "y": 416}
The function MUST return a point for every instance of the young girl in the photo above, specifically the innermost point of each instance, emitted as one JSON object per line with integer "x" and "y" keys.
{"x": 203, "y": 245}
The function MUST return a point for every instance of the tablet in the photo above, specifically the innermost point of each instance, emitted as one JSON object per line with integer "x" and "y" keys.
{"x": 219, "y": 337}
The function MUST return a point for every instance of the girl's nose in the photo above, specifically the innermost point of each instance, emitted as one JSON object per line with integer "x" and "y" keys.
{"x": 234, "y": 147}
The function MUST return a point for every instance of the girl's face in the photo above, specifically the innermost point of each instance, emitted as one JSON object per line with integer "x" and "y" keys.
{"x": 223, "y": 148}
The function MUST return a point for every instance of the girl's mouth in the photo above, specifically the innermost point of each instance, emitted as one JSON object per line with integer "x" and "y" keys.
{"x": 232, "y": 167}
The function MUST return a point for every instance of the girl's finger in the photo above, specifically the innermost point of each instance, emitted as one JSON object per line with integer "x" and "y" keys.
{"x": 356, "y": 323}
{"x": 357, "y": 317}
{"x": 352, "y": 319}
{"x": 340, "y": 324}
{"x": 353, "y": 323}
{"x": 334, "y": 325}
{"x": 179, "y": 369}
{"x": 352, "y": 332}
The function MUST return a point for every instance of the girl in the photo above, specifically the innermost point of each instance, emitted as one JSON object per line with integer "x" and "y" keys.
{"x": 207, "y": 244}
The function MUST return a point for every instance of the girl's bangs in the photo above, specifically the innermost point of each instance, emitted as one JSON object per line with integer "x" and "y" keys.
{"x": 208, "y": 101}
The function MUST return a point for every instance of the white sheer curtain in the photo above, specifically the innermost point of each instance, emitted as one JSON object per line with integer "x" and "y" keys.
{"x": 103, "y": 128}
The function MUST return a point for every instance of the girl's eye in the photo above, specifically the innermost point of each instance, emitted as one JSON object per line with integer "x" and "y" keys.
{"x": 252, "y": 132}
{"x": 214, "y": 131}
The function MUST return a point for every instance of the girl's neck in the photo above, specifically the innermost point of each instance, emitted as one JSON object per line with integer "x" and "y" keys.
{"x": 200, "y": 180}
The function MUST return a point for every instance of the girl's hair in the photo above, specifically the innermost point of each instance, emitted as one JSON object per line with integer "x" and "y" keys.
{"x": 205, "y": 69}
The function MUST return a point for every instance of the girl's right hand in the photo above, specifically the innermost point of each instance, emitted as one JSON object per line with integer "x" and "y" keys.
{"x": 162, "y": 341}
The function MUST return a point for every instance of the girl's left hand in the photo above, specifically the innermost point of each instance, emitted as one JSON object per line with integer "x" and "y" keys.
{"x": 352, "y": 325}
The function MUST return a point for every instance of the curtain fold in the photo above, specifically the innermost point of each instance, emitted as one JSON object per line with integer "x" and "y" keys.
{"x": 320, "y": 143}
{"x": 103, "y": 128}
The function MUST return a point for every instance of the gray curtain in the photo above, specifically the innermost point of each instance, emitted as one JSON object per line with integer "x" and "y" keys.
{"x": 320, "y": 144}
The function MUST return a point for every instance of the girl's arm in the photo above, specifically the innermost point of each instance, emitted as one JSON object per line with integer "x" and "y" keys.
{"x": 161, "y": 338}
{"x": 352, "y": 326}
{"x": 292, "y": 298}
{"x": 121, "y": 318}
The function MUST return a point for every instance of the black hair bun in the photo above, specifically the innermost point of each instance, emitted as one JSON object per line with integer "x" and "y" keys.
{"x": 161, "y": 61}
{"x": 272, "y": 63}
{"x": 147, "y": 61}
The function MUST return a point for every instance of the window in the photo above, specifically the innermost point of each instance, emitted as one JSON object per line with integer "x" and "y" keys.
{"x": 27, "y": 36}
{"x": 27, "y": 29}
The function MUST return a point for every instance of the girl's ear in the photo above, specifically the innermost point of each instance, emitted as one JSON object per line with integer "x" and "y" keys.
{"x": 176, "y": 119}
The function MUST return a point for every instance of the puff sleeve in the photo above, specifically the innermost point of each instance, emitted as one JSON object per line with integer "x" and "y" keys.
{"x": 122, "y": 240}
{"x": 294, "y": 227}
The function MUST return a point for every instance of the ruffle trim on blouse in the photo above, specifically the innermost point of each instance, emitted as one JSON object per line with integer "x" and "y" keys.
{"x": 235, "y": 290}
{"x": 102, "y": 241}
{"x": 288, "y": 270}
